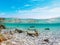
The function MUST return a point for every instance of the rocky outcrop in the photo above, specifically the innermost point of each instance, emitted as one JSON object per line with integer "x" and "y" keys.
{"x": 2, "y": 27}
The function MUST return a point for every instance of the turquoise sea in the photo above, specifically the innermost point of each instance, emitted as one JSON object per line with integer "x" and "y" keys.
{"x": 39, "y": 27}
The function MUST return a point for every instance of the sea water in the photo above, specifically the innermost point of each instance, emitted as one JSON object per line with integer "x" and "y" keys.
{"x": 40, "y": 27}
{"x": 53, "y": 34}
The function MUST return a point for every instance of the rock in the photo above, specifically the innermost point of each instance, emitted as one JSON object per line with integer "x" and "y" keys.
{"x": 19, "y": 31}
{"x": 32, "y": 26}
{"x": 32, "y": 33}
{"x": 2, "y": 38}
{"x": 46, "y": 40}
{"x": 2, "y": 27}
{"x": 47, "y": 29}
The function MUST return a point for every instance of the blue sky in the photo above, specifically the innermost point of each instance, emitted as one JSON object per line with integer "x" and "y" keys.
{"x": 37, "y": 9}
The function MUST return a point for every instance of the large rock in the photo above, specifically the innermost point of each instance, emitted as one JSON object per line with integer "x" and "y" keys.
{"x": 2, "y": 27}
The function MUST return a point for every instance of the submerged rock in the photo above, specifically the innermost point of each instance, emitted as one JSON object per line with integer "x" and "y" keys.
{"x": 32, "y": 26}
{"x": 47, "y": 28}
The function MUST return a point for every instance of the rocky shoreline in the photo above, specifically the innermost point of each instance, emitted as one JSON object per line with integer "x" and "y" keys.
{"x": 23, "y": 38}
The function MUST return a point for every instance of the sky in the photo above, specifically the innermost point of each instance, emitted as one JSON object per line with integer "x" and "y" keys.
{"x": 34, "y": 9}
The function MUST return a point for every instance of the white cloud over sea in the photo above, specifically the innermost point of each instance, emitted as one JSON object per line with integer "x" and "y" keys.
{"x": 45, "y": 12}
{"x": 37, "y": 13}
{"x": 40, "y": 13}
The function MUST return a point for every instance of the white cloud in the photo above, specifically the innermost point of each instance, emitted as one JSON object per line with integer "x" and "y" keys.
{"x": 39, "y": 13}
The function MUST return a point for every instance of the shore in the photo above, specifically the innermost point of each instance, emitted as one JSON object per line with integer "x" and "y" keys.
{"x": 24, "y": 38}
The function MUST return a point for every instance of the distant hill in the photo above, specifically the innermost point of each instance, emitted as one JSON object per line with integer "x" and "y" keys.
{"x": 53, "y": 20}
{"x": 44, "y": 21}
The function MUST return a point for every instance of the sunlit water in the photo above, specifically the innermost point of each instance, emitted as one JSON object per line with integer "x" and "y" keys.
{"x": 40, "y": 27}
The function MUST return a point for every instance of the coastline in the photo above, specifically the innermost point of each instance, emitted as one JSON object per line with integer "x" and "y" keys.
{"x": 22, "y": 38}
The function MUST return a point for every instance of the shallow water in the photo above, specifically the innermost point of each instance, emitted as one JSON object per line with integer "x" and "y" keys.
{"x": 53, "y": 34}
{"x": 39, "y": 27}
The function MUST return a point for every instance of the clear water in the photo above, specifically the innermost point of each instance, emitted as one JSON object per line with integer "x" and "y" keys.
{"x": 40, "y": 27}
